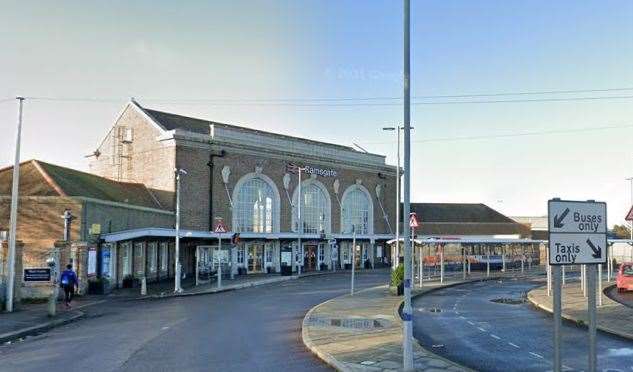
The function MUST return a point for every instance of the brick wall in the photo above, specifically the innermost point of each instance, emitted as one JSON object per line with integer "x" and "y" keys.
{"x": 4, "y": 270}
{"x": 146, "y": 160}
{"x": 40, "y": 224}
{"x": 241, "y": 164}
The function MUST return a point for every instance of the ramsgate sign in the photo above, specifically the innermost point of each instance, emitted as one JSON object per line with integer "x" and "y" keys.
{"x": 577, "y": 232}
{"x": 320, "y": 172}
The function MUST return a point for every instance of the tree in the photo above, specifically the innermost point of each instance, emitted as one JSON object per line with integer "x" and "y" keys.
{"x": 621, "y": 231}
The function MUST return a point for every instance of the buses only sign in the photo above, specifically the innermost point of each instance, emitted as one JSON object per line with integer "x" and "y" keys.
{"x": 577, "y": 232}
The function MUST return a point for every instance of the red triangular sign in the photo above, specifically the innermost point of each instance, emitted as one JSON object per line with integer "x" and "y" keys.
{"x": 413, "y": 220}
{"x": 220, "y": 227}
{"x": 629, "y": 216}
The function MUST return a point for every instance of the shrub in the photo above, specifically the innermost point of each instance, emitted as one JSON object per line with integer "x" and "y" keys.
{"x": 397, "y": 276}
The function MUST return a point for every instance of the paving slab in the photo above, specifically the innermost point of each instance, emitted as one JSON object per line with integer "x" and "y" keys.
{"x": 612, "y": 317}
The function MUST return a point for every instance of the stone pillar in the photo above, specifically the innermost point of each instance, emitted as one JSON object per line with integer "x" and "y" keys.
{"x": 79, "y": 254}
{"x": 4, "y": 271}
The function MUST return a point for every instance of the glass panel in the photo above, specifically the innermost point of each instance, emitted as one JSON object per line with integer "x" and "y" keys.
{"x": 254, "y": 207}
{"x": 356, "y": 212}
{"x": 314, "y": 209}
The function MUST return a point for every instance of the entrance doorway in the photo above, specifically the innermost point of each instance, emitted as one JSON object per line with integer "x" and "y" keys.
{"x": 255, "y": 258}
{"x": 310, "y": 257}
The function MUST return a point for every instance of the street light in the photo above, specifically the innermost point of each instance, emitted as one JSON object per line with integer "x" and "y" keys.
{"x": 177, "y": 286}
{"x": 630, "y": 179}
{"x": 397, "y": 246}
{"x": 13, "y": 217}
{"x": 397, "y": 129}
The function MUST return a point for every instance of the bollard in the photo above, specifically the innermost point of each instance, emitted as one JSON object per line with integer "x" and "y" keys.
{"x": 143, "y": 286}
{"x": 441, "y": 264}
{"x": 488, "y": 263}
{"x": 52, "y": 301}
{"x": 522, "y": 263}
{"x": 599, "y": 284}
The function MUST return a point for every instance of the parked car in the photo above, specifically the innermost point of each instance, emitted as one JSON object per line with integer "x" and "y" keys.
{"x": 624, "y": 278}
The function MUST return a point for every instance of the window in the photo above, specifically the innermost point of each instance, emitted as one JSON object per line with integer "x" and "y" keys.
{"x": 321, "y": 253}
{"x": 314, "y": 209}
{"x": 254, "y": 207}
{"x": 126, "y": 259}
{"x": 346, "y": 255}
{"x": 269, "y": 254}
{"x": 152, "y": 256}
{"x": 240, "y": 255}
{"x": 356, "y": 211}
{"x": 163, "y": 256}
{"x": 139, "y": 256}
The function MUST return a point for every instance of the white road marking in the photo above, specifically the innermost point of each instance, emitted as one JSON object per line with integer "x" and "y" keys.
{"x": 536, "y": 355}
{"x": 471, "y": 323}
{"x": 513, "y": 345}
{"x": 461, "y": 317}
{"x": 481, "y": 329}
{"x": 495, "y": 336}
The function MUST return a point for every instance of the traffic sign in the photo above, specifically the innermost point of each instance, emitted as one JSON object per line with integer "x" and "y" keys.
{"x": 577, "y": 232}
{"x": 577, "y": 217}
{"x": 413, "y": 220}
{"x": 629, "y": 216}
{"x": 220, "y": 227}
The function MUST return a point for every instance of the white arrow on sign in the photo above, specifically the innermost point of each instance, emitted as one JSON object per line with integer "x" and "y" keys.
{"x": 577, "y": 217}
{"x": 567, "y": 249}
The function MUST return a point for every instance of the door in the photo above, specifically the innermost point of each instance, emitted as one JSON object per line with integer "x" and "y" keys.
{"x": 310, "y": 257}
{"x": 255, "y": 258}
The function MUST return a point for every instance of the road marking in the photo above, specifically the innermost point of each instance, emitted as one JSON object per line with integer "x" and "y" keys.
{"x": 495, "y": 336}
{"x": 461, "y": 317}
{"x": 471, "y": 323}
{"x": 513, "y": 345}
{"x": 481, "y": 329}
{"x": 536, "y": 355}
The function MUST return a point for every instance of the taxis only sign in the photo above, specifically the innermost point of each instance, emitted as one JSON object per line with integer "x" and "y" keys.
{"x": 577, "y": 232}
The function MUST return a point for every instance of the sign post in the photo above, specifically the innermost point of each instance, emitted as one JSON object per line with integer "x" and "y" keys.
{"x": 413, "y": 223}
{"x": 577, "y": 236}
{"x": 220, "y": 228}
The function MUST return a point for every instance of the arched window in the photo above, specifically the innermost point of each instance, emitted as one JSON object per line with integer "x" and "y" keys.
{"x": 315, "y": 208}
{"x": 255, "y": 206}
{"x": 357, "y": 211}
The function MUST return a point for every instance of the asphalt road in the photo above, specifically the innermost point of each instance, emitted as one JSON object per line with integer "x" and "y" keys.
{"x": 489, "y": 336}
{"x": 255, "y": 329}
{"x": 625, "y": 298}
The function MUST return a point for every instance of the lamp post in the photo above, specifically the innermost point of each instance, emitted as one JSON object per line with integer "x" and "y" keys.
{"x": 14, "y": 211}
{"x": 407, "y": 311}
{"x": 397, "y": 246}
{"x": 630, "y": 179}
{"x": 177, "y": 286}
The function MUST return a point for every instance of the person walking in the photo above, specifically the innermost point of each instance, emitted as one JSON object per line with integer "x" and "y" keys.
{"x": 69, "y": 282}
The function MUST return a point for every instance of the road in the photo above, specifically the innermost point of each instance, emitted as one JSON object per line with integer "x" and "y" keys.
{"x": 255, "y": 329}
{"x": 490, "y": 336}
{"x": 625, "y": 298}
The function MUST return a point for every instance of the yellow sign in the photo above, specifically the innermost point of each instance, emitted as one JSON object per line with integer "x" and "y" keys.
{"x": 95, "y": 229}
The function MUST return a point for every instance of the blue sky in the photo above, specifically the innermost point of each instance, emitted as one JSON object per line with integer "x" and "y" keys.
{"x": 333, "y": 49}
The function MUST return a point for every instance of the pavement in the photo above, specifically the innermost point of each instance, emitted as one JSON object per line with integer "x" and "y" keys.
{"x": 255, "y": 329}
{"x": 491, "y": 326}
{"x": 363, "y": 332}
{"x": 32, "y": 319}
{"x": 613, "y": 317}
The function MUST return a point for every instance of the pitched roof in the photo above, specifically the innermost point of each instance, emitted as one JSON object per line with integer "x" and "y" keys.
{"x": 38, "y": 178}
{"x": 171, "y": 121}
{"x": 458, "y": 212}
{"x": 464, "y": 219}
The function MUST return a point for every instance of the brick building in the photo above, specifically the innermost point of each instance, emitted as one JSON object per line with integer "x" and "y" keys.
{"x": 98, "y": 205}
{"x": 248, "y": 179}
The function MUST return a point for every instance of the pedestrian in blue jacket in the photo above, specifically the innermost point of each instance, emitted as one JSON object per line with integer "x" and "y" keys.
{"x": 69, "y": 281}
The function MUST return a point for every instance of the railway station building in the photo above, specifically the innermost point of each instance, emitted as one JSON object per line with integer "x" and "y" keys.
{"x": 249, "y": 180}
